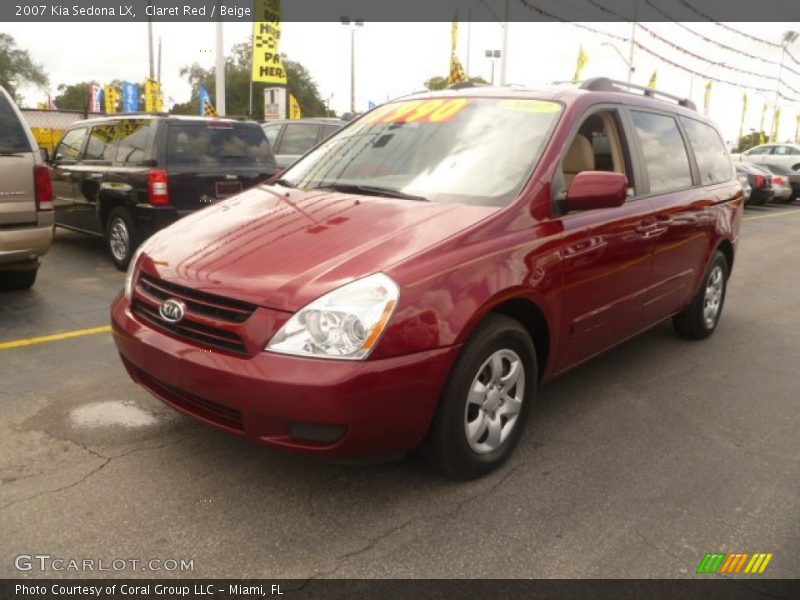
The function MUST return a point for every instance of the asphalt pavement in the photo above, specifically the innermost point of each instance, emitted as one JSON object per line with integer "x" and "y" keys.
{"x": 633, "y": 465}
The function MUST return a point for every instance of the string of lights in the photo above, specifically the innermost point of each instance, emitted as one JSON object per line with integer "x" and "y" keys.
{"x": 728, "y": 27}
{"x": 552, "y": 16}
{"x": 717, "y": 43}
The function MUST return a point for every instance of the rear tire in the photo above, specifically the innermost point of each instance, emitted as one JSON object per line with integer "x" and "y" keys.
{"x": 699, "y": 320}
{"x": 122, "y": 237}
{"x": 482, "y": 411}
{"x": 17, "y": 280}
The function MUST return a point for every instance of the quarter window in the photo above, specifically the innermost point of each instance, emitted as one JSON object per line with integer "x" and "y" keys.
{"x": 666, "y": 161}
{"x": 712, "y": 158}
{"x": 71, "y": 145}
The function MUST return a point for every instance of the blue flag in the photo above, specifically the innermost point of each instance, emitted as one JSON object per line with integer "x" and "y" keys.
{"x": 130, "y": 97}
{"x": 205, "y": 98}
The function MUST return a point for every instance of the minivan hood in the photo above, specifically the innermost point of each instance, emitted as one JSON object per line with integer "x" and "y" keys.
{"x": 283, "y": 248}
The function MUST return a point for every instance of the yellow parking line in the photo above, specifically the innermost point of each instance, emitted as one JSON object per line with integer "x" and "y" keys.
{"x": 773, "y": 215}
{"x": 54, "y": 338}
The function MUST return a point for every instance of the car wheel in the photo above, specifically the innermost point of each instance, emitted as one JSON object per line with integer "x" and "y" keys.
{"x": 482, "y": 410}
{"x": 17, "y": 280}
{"x": 700, "y": 318}
{"x": 122, "y": 237}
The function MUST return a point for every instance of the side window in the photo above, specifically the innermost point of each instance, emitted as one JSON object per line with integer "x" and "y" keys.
{"x": 71, "y": 145}
{"x": 133, "y": 136}
{"x": 298, "y": 137}
{"x": 665, "y": 157}
{"x": 792, "y": 150}
{"x": 712, "y": 158}
{"x": 12, "y": 133}
{"x": 758, "y": 151}
{"x": 272, "y": 131}
{"x": 597, "y": 146}
{"x": 101, "y": 142}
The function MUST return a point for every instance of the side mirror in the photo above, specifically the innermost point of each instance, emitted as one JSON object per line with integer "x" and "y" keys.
{"x": 597, "y": 189}
{"x": 45, "y": 153}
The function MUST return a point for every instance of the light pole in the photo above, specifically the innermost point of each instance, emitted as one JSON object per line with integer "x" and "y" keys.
{"x": 627, "y": 62}
{"x": 353, "y": 25}
{"x": 493, "y": 55}
{"x": 633, "y": 39}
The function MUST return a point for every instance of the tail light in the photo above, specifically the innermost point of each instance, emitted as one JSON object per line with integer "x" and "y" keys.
{"x": 778, "y": 181}
{"x": 43, "y": 187}
{"x": 158, "y": 187}
{"x": 761, "y": 181}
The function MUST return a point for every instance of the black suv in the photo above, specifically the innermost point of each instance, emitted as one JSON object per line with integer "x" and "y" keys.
{"x": 125, "y": 177}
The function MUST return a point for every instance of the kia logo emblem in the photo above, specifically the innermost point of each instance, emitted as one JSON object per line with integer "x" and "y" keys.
{"x": 172, "y": 311}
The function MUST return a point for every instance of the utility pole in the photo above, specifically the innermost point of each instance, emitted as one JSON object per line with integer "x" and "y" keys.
{"x": 504, "y": 51}
{"x": 150, "y": 44}
{"x": 352, "y": 25}
{"x": 220, "y": 70}
{"x": 633, "y": 39}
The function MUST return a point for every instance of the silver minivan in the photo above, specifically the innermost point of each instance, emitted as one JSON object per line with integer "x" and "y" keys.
{"x": 26, "y": 200}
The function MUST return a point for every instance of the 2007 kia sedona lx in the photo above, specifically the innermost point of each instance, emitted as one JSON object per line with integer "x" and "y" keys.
{"x": 411, "y": 281}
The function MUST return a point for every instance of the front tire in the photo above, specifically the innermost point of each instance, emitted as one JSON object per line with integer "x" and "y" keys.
{"x": 699, "y": 320}
{"x": 482, "y": 412}
{"x": 122, "y": 237}
{"x": 17, "y": 280}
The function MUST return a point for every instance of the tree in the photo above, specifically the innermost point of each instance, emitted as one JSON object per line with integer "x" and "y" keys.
{"x": 17, "y": 68}
{"x": 751, "y": 139}
{"x": 237, "y": 79}
{"x": 74, "y": 96}
{"x": 440, "y": 83}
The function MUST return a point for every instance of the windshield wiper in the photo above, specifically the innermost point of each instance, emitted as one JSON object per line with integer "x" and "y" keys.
{"x": 370, "y": 190}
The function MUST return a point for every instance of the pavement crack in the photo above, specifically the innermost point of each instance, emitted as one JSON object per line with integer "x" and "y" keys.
{"x": 650, "y": 544}
{"x": 374, "y": 541}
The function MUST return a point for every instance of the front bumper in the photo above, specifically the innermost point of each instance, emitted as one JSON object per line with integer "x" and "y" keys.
{"x": 342, "y": 409}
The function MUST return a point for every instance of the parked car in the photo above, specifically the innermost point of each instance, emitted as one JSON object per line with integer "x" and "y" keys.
{"x": 760, "y": 183}
{"x": 791, "y": 180}
{"x": 125, "y": 177}
{"x": 26, "y": 200}
{"x": 413, "y": 280}
{"x": 290, "y": 139}
{"x": 785, "y": 155}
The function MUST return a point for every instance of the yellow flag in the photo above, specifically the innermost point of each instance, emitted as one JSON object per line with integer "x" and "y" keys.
{"x": 583, "y": 59}
{"x": 457, "y": 73}
{"x": 153, "y": 102}
{"x": 707, "y": 97}
{"x": 110, "y": 98}
{"x": 797, "y": 131}
{"x": 295, "y": 112}
{"x": 267, "y": 61}
{"x": 762, "y": 137}
{"x": 652, "y": 83}
{"x": 776, "y": 124}
{"x": 744, "y": 115}
{"x": 209, "y": 110}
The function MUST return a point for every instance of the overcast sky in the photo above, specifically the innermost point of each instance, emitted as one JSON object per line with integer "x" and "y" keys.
{"x": 393, "y": 59}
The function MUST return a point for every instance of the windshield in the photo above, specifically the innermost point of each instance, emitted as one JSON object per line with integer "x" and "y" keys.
{"x": 217, "y": 145}
{"x": 470, "y": 150}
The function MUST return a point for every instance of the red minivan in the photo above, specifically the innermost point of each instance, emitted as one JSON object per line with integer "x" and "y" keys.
{"x": 411, "y": 281}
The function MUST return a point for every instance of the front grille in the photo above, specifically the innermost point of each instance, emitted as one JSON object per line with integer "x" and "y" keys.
{"x": 210, "y": 320}
{"x": 201, "y": 407}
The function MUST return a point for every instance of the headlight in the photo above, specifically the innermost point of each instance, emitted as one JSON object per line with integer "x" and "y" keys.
{"x": 131, "y": 273}
{"x": 345, "y": 323}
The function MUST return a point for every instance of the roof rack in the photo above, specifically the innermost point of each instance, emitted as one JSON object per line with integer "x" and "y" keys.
{"x": 604, "y": 84}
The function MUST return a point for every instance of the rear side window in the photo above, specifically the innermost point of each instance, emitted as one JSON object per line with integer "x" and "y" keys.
{"x": 666, "y": 161}
{"x": 101, "y": 142}
{"x": 217, "y": 145}
{"x": 712, "y": 158}
{"x": 133, "y": 136}
{"x": 272, "y": 132}
{"x": 71, "y": 145}
{"x": 299, "y": 137}
{"x": 12, "y": 132}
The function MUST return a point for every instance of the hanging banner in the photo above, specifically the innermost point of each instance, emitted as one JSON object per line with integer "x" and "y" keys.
{"x": 267, "y": 62}
{"x": 295, "y": 112}
{"x": 744, "y": 115}
{"x": 653, "y": 83}
{"x": 707, "y": 97}
{"x": 95, "y": 92}
{"x": 111, "y": 98}
{"x": 130, "y": 97}
{"x": 153, "y": 101}
{"x": 274, "y": 103}
{"x": 776, "y": 124}
{"x": 457, "y": 73}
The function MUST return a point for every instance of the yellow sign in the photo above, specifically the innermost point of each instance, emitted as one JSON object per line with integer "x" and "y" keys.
{"x": 438, "y": 110}
{"x": 532, "y": 106}
{"x": 153, "y": 101}
{"x": 295, "y": 112}
{"x": 111, "y": 97}
{"x": 267, "y": 61}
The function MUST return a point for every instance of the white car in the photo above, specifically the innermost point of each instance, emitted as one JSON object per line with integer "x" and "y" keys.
{"x": 785, "y": 155}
